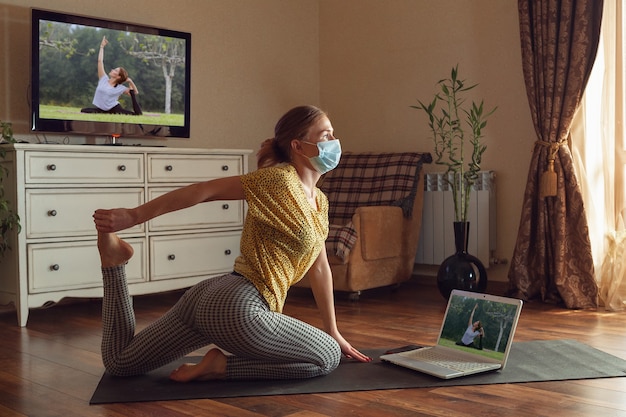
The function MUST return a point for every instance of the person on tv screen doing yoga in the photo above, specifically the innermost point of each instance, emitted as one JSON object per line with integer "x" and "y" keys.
{"x": 240, "y": 312}
{"x": 110, "y": 87}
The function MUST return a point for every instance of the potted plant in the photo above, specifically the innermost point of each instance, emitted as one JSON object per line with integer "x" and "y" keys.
{"x": 450, "y": 121}
{"x": 9, "y": 220}
{"x": 457, "y": 129}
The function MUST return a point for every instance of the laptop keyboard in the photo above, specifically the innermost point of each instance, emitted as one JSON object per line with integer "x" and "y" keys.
{"x": 446, "y": 361}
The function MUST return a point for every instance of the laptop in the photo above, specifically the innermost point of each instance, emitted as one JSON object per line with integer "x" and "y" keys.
{"x": 476, "y": 336}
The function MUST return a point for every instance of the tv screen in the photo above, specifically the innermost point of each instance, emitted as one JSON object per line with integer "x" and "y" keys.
{"x": 94, "y": 77}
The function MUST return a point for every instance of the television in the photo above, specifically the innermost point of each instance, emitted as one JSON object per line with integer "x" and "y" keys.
{"x": 66, "y": 50}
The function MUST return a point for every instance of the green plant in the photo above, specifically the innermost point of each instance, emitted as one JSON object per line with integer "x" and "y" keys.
{"x": 450, "y": 121}
{"x": 9, "y": 220}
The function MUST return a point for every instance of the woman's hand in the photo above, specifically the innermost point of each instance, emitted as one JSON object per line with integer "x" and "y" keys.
{"x": 104, "y": 42}
{"x": 113, "y": 220}
{"x": 349, "y": 351}
{"x": 132, "y": 86}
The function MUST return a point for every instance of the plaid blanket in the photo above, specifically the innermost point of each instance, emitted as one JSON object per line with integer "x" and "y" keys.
{"x": 368, "y": 179}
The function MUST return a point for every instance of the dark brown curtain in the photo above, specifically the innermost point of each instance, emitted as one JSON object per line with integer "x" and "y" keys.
{"x": 552, "y": 258}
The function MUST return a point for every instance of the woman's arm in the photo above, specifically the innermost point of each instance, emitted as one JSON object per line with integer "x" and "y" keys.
{"x": 471, "y": 319}
{"x": 114, "y": 220}
{"x": 132, "y": 86}
{"x": 101, "y": 70}
{"x": 321, "y": 279}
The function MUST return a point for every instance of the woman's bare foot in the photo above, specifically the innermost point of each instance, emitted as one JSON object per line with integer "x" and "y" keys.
{"x": 212, "y": 366}
{"x": 113, "y": 250}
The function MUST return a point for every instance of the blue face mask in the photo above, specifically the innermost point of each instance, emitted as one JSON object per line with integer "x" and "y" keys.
{"x": 329, "y": 155}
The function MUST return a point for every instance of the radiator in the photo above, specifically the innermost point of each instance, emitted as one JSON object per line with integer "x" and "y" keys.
{"x": 437, "y": 236}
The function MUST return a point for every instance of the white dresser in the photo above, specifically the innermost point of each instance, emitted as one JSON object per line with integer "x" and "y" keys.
{"x": 55, "y": 190}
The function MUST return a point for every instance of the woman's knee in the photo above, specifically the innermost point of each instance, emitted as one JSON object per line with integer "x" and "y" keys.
{"x": 331, "y": 359}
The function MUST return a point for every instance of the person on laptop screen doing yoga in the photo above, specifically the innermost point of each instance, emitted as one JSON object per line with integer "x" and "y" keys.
{"x": 474, "y": 329}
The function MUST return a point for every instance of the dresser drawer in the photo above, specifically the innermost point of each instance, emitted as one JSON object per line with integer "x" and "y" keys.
{"x": 68, "y": 212}
{"x": 193, "y": 255}
{"x": 74, "y": 265}
{"x": 204, "y": 215}
{"x": 81, "y": 168}
{"x": 192, "y": 168}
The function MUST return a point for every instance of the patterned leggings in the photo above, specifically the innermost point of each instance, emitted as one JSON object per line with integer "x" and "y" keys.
{"x": 227, "y": 311}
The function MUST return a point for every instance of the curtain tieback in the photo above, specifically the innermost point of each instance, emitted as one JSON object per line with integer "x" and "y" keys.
{"x": 547, "y": 184}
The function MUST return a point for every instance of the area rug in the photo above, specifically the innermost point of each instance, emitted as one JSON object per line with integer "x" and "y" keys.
{"x": 553, "y": 360}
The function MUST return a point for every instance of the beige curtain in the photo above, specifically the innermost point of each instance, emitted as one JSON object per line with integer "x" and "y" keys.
{"x": 552, "y": 258}
{"x": 598, "y": 148}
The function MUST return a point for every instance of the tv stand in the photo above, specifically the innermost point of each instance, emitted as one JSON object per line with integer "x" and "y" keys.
{"x": 55, "y": 190}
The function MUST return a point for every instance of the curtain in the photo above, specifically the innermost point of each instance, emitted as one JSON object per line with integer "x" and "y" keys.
{"x": 552, "y": 259}
{"x": 598, "y": 147}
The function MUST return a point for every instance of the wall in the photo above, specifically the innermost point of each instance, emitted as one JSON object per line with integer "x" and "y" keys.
{"x": 378, "y": 57}
{"x": 365, "y": 61}
{"x": 251, "y": 60}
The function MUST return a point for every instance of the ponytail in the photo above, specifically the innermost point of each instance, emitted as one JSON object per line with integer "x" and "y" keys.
{"x": 267, "y": 156}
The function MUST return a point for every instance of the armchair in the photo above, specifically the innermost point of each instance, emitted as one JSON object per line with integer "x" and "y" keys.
{"x": 375, "y": 216}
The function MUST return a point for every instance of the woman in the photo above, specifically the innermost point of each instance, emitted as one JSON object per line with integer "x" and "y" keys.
{"x": 110, "y": 88}
{"x": 474, "y": 329}
{"x": 240, "y": 312}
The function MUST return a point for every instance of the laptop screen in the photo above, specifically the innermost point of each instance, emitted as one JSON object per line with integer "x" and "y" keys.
{"x": 480, "y": 323}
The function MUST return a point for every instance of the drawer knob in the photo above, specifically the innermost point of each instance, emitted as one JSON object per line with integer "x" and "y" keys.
{"x": 227, "y": 252}
{"x": 55, "y": 267}
{"x": 225, "y": 206}
{"x": 121, "y": 168}
{"x": 171, "y": 257}
{"x": 52, "y": 213}
{"x": 52, "y": 167}
{"x": 169, "y": 168}
{"x": 224, "y": 167}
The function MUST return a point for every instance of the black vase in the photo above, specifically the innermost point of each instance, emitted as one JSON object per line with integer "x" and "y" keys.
{"x": 461, "y": 271}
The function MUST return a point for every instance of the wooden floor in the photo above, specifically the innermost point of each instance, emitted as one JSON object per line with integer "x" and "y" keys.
{"x": 52, "y": 367}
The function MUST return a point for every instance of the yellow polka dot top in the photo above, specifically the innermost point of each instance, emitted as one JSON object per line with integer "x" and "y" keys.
{"x": 282, "y": 234}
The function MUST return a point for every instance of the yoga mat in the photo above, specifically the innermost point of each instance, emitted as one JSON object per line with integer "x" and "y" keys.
{"x": 552, "y": 360}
